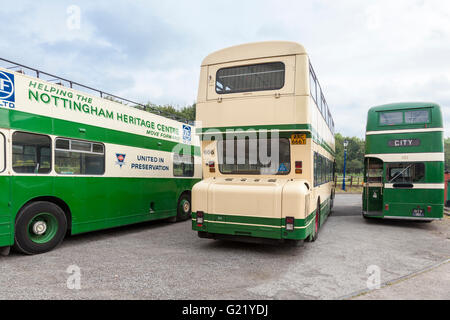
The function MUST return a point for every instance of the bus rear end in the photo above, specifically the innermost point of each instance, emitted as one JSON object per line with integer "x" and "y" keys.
{"x": 256, "y": 122}
{"x": 404, "y": 176}
{"x": 251, "y": 200}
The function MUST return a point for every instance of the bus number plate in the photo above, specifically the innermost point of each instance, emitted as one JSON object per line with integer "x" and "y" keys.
{"x": 418, "y": 212}
{"x": 298, "y": 138}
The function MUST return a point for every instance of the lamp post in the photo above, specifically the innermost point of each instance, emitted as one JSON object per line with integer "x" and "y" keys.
{"x": 345, "y": 162}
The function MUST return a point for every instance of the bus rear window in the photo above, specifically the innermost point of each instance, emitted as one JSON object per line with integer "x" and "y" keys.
{"x": 391, "y": 118}
{"x": 417, "y": 116}
{"x": 405, "y": 172}
{"x": 255, "y": 156}
{"x": 255, "y": 77}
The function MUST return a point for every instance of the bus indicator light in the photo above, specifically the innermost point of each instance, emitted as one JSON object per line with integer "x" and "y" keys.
{"x": 290, "y": 223}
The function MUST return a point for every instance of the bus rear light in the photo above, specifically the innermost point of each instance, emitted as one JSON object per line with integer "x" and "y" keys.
{"x": 386, "y": 207}
{"x": 200, "y": 219}
{"x": 290, "y": 223}
{"x": 429, "y": 209}
{"x": 211, "y": 166}
{"x": 298, "y": 164}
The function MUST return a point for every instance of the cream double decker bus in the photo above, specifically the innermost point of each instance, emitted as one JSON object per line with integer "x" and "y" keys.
{"x": 267, "y": 143}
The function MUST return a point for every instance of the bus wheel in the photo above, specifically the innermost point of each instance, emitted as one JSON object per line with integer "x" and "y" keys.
{"x": 40, "y": 227}
{"x": 184, "y": 208}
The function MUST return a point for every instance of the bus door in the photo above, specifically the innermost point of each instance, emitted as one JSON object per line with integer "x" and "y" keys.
{"x": 373, "y": 188}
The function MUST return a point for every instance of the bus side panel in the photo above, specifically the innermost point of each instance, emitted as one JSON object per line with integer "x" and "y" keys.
{"x": 6, "y": 219}
{"x": 110, "y": 202}
{"x": 25, "y": 188}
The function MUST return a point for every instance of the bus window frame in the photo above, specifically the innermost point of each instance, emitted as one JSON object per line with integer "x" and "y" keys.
{"x": 80, "y": 151}
{"x": 278, "y": 174}
{"x": 403, "y": 112}
{"x": 251, "y": 65}
{"x": 50, "y": 155}
{"x": 183, "y": 175}
{"x": 4, "y": 152}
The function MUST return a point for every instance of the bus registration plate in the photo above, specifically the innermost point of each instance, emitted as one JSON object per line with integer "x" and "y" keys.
{"x": 298, "y": 138}
{"x": 418, "y": 212}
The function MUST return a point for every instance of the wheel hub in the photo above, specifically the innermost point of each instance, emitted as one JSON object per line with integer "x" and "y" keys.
{"x": 186, "y": 206}
{"x": 39, "y": 228}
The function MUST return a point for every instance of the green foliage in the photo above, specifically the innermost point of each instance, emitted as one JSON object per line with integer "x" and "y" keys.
{"x": 355, "y": 154}
{"x": 447, "y": 154}
{"x": 168, "y": 111}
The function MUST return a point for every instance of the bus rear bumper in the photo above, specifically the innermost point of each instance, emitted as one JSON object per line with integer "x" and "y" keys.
{"x": 214, "y": 229}
{"x": 380, "y": 215}
{"x": 411, "y": 218}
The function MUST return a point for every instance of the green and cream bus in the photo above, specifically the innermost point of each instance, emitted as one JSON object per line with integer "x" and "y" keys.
{"x": 71, "y": 162}
{"x": 404, "y": 162}
{"x": 267, "y": 141}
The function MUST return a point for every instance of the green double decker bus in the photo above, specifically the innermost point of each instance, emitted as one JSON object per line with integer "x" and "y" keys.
{"x": 404, "y": 162}
{"x": 72, "y": 162}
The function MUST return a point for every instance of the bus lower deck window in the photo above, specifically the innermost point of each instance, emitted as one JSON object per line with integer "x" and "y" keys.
{"x": 405, "y": 172}
{"x": 31, "y": 153}
{"x": 79, "y": 157}
{"x": 255, "y": 156}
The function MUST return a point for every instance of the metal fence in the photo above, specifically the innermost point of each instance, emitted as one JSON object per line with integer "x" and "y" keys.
{"x": 350, "y": 182}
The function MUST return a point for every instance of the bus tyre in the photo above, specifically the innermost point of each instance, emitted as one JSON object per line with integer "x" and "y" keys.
{"x": 184, "y": 208}
{"x": 40, "y": 227}
{"x": 313, "y": 237}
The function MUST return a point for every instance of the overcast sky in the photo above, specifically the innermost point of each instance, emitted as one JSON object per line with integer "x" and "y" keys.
{"x": 365, "y": 52}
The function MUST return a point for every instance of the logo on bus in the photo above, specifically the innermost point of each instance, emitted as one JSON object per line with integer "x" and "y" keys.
{"x": 120, "y": 159}
{"x": 7, "y": 95}
{"x": 186, "y": 133}
{"x": 404, "y": 143}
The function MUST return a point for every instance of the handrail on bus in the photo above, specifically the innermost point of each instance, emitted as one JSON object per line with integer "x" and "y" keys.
{"x": 103, "y": 94}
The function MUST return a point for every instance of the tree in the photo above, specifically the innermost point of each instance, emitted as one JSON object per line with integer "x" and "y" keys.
{"x": 355, "y": 154}
{"x": 169, "y": 111}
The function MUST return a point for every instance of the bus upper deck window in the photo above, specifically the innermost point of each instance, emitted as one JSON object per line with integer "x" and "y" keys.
{"x": 255, "y": 77}
{"x": 391, "y": 118}
{"x": 417, "y": 116}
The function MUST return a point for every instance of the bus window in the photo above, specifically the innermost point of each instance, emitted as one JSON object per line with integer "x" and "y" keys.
{"x": 405, "y": 172}
{"x": 417, "y": 116}
{"x": 250, "y": 162}
{"x": 183, "y": 165}
{"x": 31, "y": 153}
{"x": 79, "y": 157}
{"x": 391, "y": 118}
{"x": 255, "y": 77}
{"x": 2, "y": 153}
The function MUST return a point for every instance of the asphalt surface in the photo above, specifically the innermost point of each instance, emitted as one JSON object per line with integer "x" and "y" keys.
{"x": 160, "y": 260}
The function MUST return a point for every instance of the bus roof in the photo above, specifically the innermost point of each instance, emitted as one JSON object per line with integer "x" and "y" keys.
{"x": 254, "y": 50}
{"x": 372, "y": 116}
{"x": 402, "y": 106}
